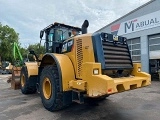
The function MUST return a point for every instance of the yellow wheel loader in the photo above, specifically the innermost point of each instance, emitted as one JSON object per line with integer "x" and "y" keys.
{"x": 80, "y": 66}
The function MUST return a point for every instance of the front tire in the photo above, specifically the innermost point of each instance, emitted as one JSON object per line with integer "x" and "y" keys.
{"x": 50, "y": 89}
{"x": 27, "y": 84}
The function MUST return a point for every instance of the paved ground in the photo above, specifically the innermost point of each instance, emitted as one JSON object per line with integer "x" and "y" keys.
{"x": 139, "y": 104}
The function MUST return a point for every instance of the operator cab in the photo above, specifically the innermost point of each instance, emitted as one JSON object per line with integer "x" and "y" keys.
{"x": 55, "y": 35}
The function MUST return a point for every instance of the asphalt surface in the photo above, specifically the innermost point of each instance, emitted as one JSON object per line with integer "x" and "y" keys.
{"x": 138, "y": 104}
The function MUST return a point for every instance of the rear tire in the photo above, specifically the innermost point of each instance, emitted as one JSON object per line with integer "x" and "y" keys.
{"x": 27, "y": 85}
{"x": 95, "y": 100}
{"x": 50, "y": 89}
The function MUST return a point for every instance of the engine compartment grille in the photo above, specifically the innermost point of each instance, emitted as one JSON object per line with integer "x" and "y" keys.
{"x": 116, "y": 53}
{"x": 79, "y": 57}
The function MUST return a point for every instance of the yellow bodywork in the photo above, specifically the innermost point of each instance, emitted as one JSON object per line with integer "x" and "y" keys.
{"x": 32, "y": 68}
{"x": 77, "y": 71}
{"x": 80, "y": 55}
{"x": 98, "y": 85}
{"x": 67, "y": 70}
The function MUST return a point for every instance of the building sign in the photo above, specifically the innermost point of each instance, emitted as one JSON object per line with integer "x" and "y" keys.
{"x": 141, "y": 23}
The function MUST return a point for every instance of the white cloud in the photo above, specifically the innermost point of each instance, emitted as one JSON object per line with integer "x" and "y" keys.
{"x": 28, "y": 17}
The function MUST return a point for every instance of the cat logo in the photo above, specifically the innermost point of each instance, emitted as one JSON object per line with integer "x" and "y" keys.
{"x": 115, "y": 37}
{"x": 70, "y": 43}
{"x": 64, "y": 47}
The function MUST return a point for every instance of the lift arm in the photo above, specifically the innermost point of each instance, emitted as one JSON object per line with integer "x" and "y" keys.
{"x": 15, "y": 52}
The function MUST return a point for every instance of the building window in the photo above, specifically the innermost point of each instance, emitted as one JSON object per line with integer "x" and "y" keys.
{"x": 154, "y": 43}
{"x": 135, "y": 49}
{"x": 136, "y": 52}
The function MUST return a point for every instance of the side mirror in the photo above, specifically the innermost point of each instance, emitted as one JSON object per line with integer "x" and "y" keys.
{"x": 41, "y": 34}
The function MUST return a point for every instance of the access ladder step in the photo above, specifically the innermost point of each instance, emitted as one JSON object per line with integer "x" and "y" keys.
{"x": 77, "y": 96}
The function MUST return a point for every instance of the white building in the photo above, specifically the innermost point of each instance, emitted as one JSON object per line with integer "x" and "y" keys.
{"x": 142, "y": 29}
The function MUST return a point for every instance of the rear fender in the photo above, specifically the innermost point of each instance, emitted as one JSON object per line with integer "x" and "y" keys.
{"x": 65, "y": 68}
{"x": 32, "y": 68}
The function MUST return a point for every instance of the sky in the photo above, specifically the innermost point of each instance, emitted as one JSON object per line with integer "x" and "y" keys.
{"x": 28, "y": 17}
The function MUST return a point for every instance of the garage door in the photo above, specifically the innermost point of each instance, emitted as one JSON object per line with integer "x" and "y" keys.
{"x": 154, "y": 46}
{"x": 135, "y": 49}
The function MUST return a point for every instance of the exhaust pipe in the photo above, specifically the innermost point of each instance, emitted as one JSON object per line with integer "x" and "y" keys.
{"x": 85, "y": 26}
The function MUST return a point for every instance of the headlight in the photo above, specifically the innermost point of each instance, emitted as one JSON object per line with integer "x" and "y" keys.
{"x": 139, "y": 69}
{"x": 95, "y": 71}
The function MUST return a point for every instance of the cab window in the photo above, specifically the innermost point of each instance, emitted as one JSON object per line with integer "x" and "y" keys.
{"x": 59, "y": 35}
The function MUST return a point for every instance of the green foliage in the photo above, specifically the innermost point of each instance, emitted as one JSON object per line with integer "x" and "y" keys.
{"x": 7, "y": 37}
{"x": 24, "y": 52}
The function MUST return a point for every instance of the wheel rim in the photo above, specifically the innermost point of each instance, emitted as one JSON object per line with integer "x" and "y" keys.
{"x": 23, "y": 80}
{"x": 47, "y": 89}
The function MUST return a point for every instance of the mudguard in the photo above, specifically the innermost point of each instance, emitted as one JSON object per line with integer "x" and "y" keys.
{"x": 32, "y": 68}
{"x": 65, "y": 67}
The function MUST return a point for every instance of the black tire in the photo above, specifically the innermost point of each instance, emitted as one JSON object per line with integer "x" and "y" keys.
{"x": 95, "y": 100}
{"x": 28, "y": 85}
{"x": 101, "y": 98}
{"x": 52, "y": 101}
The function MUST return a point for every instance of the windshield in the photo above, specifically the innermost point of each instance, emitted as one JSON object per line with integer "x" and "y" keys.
{"x": 60, "y": 34}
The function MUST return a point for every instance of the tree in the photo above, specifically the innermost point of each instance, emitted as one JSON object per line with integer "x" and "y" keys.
{"x": 24, "y": 52}
{"x": 7, "y": 36}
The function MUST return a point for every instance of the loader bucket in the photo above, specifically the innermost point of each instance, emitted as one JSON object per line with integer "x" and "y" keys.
{"x": 15, "y": 82}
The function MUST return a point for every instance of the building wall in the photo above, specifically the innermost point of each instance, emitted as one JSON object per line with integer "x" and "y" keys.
{"x": 145, "y": 9}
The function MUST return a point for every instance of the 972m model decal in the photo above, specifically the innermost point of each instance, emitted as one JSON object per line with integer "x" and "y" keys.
{"x": 67, "y": 46}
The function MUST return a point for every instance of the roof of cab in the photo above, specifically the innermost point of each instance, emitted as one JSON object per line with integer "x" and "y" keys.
{"x": 56, "y": 24}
